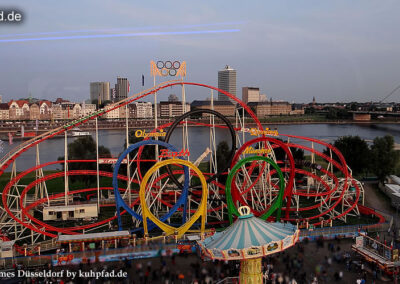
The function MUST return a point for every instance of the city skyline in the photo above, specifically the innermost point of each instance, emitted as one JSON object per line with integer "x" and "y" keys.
{"x": 336, "y": 51}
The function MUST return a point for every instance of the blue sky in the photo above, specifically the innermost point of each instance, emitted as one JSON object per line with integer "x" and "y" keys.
{"x": 292, "y": 50}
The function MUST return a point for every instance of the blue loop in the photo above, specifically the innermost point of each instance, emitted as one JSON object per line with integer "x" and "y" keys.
{"x": 121, "y": 203}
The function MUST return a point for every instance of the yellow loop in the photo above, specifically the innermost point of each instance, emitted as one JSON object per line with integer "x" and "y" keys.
{"x": 200, "y": 212}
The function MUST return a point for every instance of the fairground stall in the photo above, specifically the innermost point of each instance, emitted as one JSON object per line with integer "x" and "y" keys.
{"x": 94, "y": 241}
{"x": 383, "y": 256}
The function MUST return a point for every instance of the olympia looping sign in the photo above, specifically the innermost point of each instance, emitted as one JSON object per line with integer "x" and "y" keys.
{"x": 168, "y": 68}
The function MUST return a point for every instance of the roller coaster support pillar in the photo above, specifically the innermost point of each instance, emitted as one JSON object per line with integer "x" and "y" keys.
{"x": 66, "y": 168}
{"x": 97, "y": 167}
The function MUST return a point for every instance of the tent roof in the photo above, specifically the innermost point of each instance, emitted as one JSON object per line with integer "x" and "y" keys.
{"x": 249, "y": 232}
{"x": 93, "y": 236}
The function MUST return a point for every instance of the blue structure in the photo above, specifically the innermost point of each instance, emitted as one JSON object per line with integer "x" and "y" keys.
{"x": 119, "y": 202}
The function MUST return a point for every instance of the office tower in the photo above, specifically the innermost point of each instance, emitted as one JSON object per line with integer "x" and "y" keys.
{"x": 227, "y": 82}
{"x": 100, "y": 91}
{"x": 121, "y": 89}
{"x": 250, "y": 94}
{"x": 112, "y": 94}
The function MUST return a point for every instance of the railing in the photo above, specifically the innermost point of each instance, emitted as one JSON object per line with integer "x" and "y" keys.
{"x": 40, "y": 260}
{"x": 44, "y": 246}
{"x": 343, "y": 230}
{"x": 229, "y": 280}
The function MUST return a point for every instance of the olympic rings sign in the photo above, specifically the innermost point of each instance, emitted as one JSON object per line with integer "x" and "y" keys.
{"x": 168, "y": 68}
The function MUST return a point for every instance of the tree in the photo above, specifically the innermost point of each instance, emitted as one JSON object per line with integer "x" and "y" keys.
{"x": 280, "y": 154}
{"x": 148, "y": 153}
{"x": 353, "y": 106}
{"x": 384, "y": 157}
{"x": 103, "y": 104}
{"x": 309, "y": 110}
{"x": 338, "y": 113}
{"x": 84, "y": 148}
{"x": 222, "y": 154}
{"x": 95, "y": 102}
{"x": 355, "y": 151}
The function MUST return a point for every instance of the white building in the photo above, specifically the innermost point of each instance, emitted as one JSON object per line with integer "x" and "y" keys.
{"x": 144, "y": 109}
{"x": 250, "y": 94}
{"x": 70, "y": 212}
{"x": 88, "y": 109}
{"x": 112, "y": 114}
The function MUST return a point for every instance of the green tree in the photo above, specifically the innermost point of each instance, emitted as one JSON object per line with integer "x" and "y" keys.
{"x": 332, "y": 113}
{"x": 355, "y": 151}
{"x": 95, "y": 102}
{"x": 84, "y": 148}
{"x": 280, "y": 154}
{"x": 222, "y": 154}
{"x": 338, "y": 113}
{"x": 309, "y": 110}
{"x": 103, "y": 104}
{"x": 148, "y": 153}
{"x": 353, "y": 106}
{"x": 384, "y": 157}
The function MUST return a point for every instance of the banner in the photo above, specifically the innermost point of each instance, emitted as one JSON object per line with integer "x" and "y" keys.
{"x": 110, "y": 161}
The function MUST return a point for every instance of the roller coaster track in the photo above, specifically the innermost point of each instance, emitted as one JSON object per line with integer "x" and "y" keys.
{"x": 12, "y": 155}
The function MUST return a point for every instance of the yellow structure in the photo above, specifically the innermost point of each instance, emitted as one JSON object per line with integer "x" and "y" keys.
{"x": 200, "y": 213}
{"x": 250, "y": 271}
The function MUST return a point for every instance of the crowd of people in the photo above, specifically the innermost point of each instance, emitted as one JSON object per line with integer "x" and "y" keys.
{"x": 320, "y": 262}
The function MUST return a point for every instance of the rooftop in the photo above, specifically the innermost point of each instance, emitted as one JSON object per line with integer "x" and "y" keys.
{"x": 93, "y": 236}
{"x": 207, "y": 103}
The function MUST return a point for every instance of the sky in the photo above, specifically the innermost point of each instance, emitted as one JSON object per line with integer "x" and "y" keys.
{"x": 337, "y": 51}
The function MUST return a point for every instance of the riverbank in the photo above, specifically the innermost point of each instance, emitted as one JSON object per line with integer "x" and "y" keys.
{"x": 30, "y": 126}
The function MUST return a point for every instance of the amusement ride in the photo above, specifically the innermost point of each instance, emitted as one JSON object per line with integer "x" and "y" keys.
{"x": 173, "y": 192}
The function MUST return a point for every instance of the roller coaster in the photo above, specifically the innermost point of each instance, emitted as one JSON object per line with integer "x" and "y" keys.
{"x": 174, "y": 194}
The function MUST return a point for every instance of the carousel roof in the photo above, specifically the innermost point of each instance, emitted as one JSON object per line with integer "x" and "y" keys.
{"x": 249, "y": 231}
{"x": 249, "y": 237}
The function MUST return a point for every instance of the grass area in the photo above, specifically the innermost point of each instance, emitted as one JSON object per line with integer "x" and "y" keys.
{"x": 5, "y": 178}
{"x": 56, "y": 185}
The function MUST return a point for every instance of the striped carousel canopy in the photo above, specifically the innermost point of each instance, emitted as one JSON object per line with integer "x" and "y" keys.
{"x": 249, "y": 237}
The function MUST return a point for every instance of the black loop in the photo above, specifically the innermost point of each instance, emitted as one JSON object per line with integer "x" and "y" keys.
{"x": 231, "y": 130}
{"x": 172, "y": 72}
{"x": 168, "y": 64}
{"x": 160, "y": 66}
{"x": 176, "y": 64}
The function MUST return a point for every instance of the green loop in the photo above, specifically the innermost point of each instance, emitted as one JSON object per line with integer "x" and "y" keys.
{"x": 277, "y": 205}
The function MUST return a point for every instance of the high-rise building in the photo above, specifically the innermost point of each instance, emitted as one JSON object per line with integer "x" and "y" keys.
{"x": 250, "y": 94}
{"x": 100, "y": 91}
{"x": 121, "y": 89}
{"x": 227, "y": 82}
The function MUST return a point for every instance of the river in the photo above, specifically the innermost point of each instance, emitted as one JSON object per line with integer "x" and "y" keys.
{"x": 199, "y": 137}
